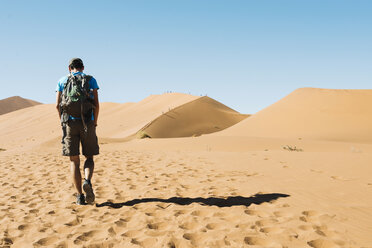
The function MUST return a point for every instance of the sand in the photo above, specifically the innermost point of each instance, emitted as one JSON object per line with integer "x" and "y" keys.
{"x": 14, "y": 103}
{"x": 201, "y": 116}
{"x": 217, "y": 190}
{"x": 120, "y": 122}
{"x": 311, "y": 113}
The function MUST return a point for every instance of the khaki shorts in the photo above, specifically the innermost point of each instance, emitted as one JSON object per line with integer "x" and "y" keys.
{"x": 75, "y": 135}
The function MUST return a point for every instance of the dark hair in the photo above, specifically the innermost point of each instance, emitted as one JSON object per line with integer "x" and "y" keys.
{"x": 76, "y": 63}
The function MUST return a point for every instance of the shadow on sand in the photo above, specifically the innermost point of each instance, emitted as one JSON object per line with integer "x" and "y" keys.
{"x": 211, "y": 201}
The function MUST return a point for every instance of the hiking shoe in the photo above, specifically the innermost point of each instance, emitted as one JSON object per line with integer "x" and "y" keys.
{"x": 80, "y": 200}
{"x": 87, "y": 187}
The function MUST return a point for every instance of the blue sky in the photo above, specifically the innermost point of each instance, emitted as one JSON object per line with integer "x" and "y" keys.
{"x": 245, "y": 54}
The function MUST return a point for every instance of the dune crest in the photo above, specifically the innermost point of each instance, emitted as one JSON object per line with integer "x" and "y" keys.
{"x": 201, "y": 116}
{"x": 311, "y": 113}
{"x": 14, "y": 103}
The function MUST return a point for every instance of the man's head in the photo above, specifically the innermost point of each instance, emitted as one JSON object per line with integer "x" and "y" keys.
{"x": 76, "y": 64}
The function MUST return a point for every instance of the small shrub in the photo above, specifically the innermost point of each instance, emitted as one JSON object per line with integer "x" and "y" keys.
{"x": 2, "y": 150}
{"x": 292, "y": 149}
{"x": 143, "y": 135}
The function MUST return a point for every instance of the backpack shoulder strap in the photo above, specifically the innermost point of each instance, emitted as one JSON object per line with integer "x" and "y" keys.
{"x": 87, "y": 79}
{"x": 68, "y": 79}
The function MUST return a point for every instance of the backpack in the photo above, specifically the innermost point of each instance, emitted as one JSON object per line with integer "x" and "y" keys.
{"x": 76, "y": 100}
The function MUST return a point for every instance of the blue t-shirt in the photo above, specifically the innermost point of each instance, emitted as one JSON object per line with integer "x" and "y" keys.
{"x": 92, "y": 85}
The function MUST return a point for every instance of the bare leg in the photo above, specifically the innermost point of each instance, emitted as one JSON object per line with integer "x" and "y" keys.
{"x": 89, "y": 167}
{"x": 87, "y": 185}
{"x": 75, "y": 172}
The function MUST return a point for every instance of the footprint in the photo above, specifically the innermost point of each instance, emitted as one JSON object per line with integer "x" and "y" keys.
{"x": 62, "y": 244}
{"x": 196, "y": 239}
{"x": 45, "y": 241}
{"x": 73, "y": 222}
{"x": 84, "y": 237}
{"x": 158, "y": 226}
{"x": 220, "y": 214}
{"x": 266, "y": 222}
{"x": 305, "y": 228}
{"x": 214, "y": 226}
{"x": 340, "y": 178}
{"x": 7, "y": 242}
{"x": 190, "y": 225}
{"x": 23, "y": 227}
{"x": 34, "y": 211}
{"x": 121, "y": 223}
{"x": 324, "y": 231}
{"x": 311, "y": 213}
{"x": 200, "y": 213}
{"x": 148, "y": 242}
{"x": 283, "y": 214}
{"x": 258, "y": 213}
{"x": 132, "y": 234}
{"x": 259, "y": 241}
{"x": 111, "y": 231}
{"x": 322, "y": 243}
{"x": 271, "y": 230}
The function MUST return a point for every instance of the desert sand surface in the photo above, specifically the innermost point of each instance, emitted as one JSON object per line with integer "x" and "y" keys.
{"x": 312, "y": 113}
{"x": 14, "y": 103}
{"x": 227, "y": 189}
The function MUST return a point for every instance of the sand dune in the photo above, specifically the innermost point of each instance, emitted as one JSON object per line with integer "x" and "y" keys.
{"x": 322, "y": 114}
{"x": 226, "y": 190}
{"x": 29, "y": 127}
{"x": 40, "y": 124}
{"x": 14, "y": 103}
{"x": 201, "y": 116}
{"x": 127, "y": 119}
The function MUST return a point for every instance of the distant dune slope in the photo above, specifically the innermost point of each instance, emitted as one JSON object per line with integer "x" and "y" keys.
{"x": 201, "y": 116}
{"x": 29, "y": 126}
{"x": 322, "y": 114}
{"x": 39, "y": 124}
{"x": 166, "y": 115}
{"x": 14, "y": 103}
{"x": 121, "y": 121}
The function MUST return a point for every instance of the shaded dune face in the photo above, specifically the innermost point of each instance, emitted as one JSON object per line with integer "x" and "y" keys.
{"x": 320, "y": 114}
{"x": 119, "y": 121}
{"x": 201, "y": 116}
{"x": 14, "y": 103}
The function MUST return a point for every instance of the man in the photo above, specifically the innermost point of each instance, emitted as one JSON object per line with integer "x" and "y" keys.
{"x": 80, "y": 130}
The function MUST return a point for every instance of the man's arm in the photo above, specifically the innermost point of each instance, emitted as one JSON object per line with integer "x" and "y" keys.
{"x": 96, "y": 109}
{"x": 58, "y": 101}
